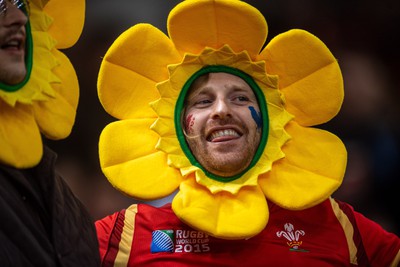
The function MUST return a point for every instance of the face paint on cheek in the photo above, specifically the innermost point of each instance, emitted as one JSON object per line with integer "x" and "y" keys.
{"x": 256, "y": 117}
{"x": 189, "y": 123}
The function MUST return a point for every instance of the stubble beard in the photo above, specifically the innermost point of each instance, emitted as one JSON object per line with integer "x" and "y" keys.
{"x": 12, "y": 66}
{"x": 222, "y": 159}
{"x": 12, "y": 70}
{"x": 12, "y": 77}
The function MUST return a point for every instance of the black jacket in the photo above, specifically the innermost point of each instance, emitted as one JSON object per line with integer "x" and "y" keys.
{"x": 42, "y": 223}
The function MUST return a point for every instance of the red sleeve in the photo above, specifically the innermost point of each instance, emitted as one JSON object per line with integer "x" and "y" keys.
{"x": 382, "y": 247}
{"x": 105, "y": 228}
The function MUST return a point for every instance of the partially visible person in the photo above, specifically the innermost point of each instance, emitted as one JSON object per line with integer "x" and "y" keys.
{"x": 42, "y": 222}
{"x": 204, "y": 112}
{"x": 367, "y": 124}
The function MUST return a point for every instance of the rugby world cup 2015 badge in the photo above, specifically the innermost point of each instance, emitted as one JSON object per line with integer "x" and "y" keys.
{"x": 179, "y": 241}
{"x": 162, "y": 241}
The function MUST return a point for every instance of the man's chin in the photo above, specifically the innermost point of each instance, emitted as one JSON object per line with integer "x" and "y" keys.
{"x": 226, "y": 167}
{"x": 13, "y": 77}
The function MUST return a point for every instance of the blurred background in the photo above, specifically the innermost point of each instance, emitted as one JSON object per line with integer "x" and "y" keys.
{"x": 362, "y": 34}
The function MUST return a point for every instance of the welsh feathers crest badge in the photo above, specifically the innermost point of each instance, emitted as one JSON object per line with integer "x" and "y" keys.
{"x": 292, "y": 236}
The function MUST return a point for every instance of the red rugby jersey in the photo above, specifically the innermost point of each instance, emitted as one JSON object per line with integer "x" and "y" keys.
{"x": 329, "y": 234}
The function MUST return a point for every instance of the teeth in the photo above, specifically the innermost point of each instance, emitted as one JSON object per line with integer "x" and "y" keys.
{"x": 228, "y": 132}
{"x": 13, "y": 43}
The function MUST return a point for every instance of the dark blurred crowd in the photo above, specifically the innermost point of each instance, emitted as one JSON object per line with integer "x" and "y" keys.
{"x": 362, "y": 35}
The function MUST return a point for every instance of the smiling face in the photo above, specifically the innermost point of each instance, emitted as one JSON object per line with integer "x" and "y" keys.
{"x": 12, "y": 45}
{"x": 222, "y": 123}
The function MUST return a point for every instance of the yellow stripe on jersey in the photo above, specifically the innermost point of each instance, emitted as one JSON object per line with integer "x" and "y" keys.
{"x": 125, "y": 244}
{"x": 396, "y": 260}
{"x": 348, "y": 230}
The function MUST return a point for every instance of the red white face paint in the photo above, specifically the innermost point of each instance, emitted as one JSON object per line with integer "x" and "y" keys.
{"x": 189, "y": 123}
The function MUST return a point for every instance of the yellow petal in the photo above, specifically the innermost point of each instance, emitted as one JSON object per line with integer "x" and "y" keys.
{"x": 309, "y": 76}
{"x": 20, "y": 140}
{"x": 312, "y": 170}
{"x": 132, "y": 67}
{"x": 39, "y": 20}
{"x": 194, "y": 25}
{"x": 69, "y": 17}
{"x": 56, "y": 116}
{"x": 39, "y": 3}
{"x": 132, "y": 164}
{"x": 222, "y": 215}
{"x": 65, "y": 72}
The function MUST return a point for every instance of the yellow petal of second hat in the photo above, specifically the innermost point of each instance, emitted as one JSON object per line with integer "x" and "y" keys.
{"x": 131, "y": 163}
{"x": 309, "y": 76}
{"x": 131, "y": 68}
{"x": 311, "y": 171}
{"x": 222, "y": 215}
{"x": 194, "y": 25}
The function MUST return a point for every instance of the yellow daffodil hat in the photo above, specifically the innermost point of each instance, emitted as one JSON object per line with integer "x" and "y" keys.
{"x": 144, "y": 78}
{"x": 45, "y": 101}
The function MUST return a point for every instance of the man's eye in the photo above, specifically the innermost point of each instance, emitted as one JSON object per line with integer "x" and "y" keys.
{"x": 241, "y": 98}
{"x": 203, "y": 102}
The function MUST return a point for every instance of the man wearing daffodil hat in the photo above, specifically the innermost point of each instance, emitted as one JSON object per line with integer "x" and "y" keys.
{"x": 42, "y": 222}
{"x": 204, "y": 111}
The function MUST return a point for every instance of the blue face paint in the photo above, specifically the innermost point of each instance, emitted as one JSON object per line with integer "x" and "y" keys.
{"x": 256, "y": 117}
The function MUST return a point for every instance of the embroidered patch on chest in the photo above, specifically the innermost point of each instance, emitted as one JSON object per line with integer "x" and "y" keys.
{"x": 179, "y": 241}
{"x": 292, "y": 237}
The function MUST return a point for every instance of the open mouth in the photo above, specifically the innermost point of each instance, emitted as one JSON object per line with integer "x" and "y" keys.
{"x": 223, "y": 135}
{"x": 15, "y": 44}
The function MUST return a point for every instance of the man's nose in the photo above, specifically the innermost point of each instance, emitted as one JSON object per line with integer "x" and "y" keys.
{"x": 14, "y": 16}
{"x": 221, "y": 109}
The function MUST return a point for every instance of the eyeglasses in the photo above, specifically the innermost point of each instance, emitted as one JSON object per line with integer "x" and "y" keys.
{"x": 20, "y": 4}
